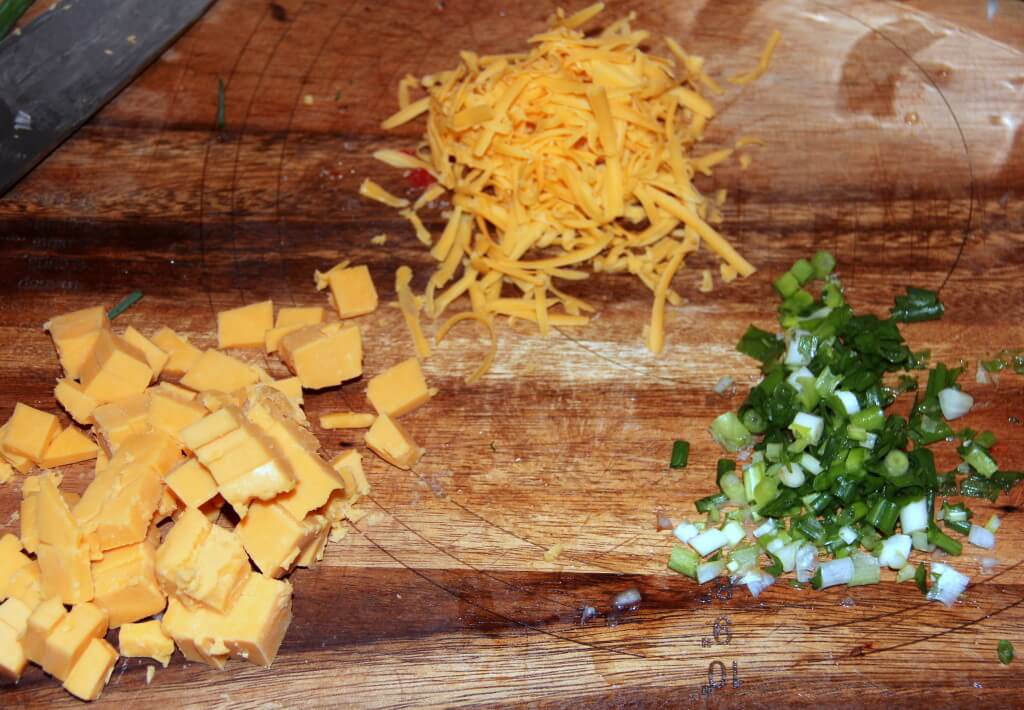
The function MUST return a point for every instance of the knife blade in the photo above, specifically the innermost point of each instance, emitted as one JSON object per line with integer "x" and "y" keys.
{"x": 72, "y": 60}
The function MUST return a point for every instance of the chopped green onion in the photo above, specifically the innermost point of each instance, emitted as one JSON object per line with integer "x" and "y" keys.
{"x": 680, "y": 454}
{"x": 684, "y": 561}
{"x": 730, "y": 433}
{"x": 905, "y": 574}
{"x": 786, "y": 285}
{"x": 221, "y": 104}
{"x": 713, "y": 502}
{"x": 760, "y": 345}
{"x": 127, "y": 302}
{"x": 921, "y": 578}
{"x": 917, "y": 305}
{"x": 824, "y": 264}
{"x": 944, "y": 542}
{"x": 896, "y": 463}
{"x": 993, "y": 523}
{"x": 802, "y": 271}
{"x": 1005, "y": 651}
{"x": 866, "y": 570}
{"x": 980, "y": 461}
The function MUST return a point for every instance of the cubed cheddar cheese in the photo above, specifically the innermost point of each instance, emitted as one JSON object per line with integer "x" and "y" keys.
{"x": 251, "y": 629}
{"x": 41, "y": 623}
{"x": 22, "y": 464}
{"x": 274, "y": 538}
{"x": 155, "y": 356}
{"x": 92, "y": 670}
{"x": 75, "y": 402}
{"x": 313, "y": 548}
{"x": 392, "y": 442}
{"x": 349, "y": 464}
{"x": 6, "y": 472}
{"x": 15, "y": 613}
{"x": 115, "y": 369}
{"x": 215, "y": 400}
{"x": 291, "y": 387}
{"x": 70, "y": 446}
{"x": 182, "y": 354}
{"x": 11, "y": 560}
{"x": 68, "y": 640}
{"x": 169, "y": 413}
{"x": 29, "y": 432}
{"x": 119, "y": 420}
{"x": 153, "y": 448}
{"x": 346, "y": 420}
{"x": 324, "y": 355}
{"x": 291, "y": 319}
{"x": 74, "y": 335}
{"x": 118, "y": 506}
{"x": 315, "y": 478}
{"x": 12, "y": 653}
{"x": 215, "y": 370}
{"x": 176, "y": 391}
{"x": 192, "y": 483}
{"x": 244, "y": 327}
{"x": 399, "y": 389}
{"x": 62, "y": 552}
{"x": 239, "y": 457}
{"x": 26, "y": 585}
{"x": 145, "y": 640}
{"x": 201, "y": 564}
{"x": 126, "y": 584}
{"x": 353, "y": 291}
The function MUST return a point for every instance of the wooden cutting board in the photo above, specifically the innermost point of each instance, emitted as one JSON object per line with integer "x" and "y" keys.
{"x": 892, "y": 137}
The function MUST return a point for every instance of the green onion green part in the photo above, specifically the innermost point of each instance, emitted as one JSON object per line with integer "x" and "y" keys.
{"x": 127, "y": 302}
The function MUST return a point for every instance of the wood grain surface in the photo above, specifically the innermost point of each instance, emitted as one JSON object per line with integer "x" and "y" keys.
{"x": 893, "y": 138}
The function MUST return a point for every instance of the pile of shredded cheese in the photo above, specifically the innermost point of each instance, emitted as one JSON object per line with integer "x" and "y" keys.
{"x": 573, "y": 158}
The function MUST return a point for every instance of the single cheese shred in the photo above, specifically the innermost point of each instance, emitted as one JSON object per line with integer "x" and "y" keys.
{"x": 575, "y": 157}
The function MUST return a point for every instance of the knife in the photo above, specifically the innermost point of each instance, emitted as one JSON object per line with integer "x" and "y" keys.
{"x": 69, "y": 62}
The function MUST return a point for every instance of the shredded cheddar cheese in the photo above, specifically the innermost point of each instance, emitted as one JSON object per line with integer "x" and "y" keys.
{"x": 575, "y": 157}
{"x": 488, "y": 360}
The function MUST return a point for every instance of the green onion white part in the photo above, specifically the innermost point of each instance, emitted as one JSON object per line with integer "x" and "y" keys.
{"x": 946, "y": 583}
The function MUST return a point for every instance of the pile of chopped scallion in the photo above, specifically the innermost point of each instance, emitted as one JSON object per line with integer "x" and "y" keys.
{"x": 832, "y": 487}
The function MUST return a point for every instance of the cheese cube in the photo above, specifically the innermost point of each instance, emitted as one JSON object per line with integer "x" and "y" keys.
{"x": 20, "y": 463}
{"x": 75, "y": 402}
{"x": 324, "y": 355}
{"x": 126, "y": 584}
{"x": 146, "y": 640}
{"x": 215, "y": 401}
{"x": 399, "y": 389}
{"x": 171, "y": 414}
{"x": 28, "y": 516}
{"x": 15, "y": 613}
{"x": 289, "y": 320}
{"x": 41, "y": 623}
{"x": 245, "y": 466}
{"x": 119, "y": 420}
{"x": 12, "y": 654}
{"x": 252, "y": 628}
{"x": 353, "y": 291}
{"x": 56, "y": 525}
{"x": 67, "y": 641}
{"x": 26, "y": 585}
{"x": 390, "y": 440}
{"x": 115, "y": 369}
{"x": 176, "y": 391}
{"x": 74, "y": 335}
{"x": 153, "y": 448}
{"x": 117, "y": 507}
{"x": 315, "y": 478}
{"x": 215, "y": 370}
{"x": 29, "y": 431}
{"x": 70, "y": 446}
{"x": 181, "y": 354}
{"x": 299, "y": 315}
{"x": 313, "y": 548}
{"x": 192, "y": 483}
{"x": 201, "y": 564}
{"x": 155, "y": 357}
{"x": 92, "y": 670}
{"x": 6, "y": 472}
{"x": 245, "y": 327}
{"x": 11, "y": 560}
{"x": 291, "y": 387}
{"x": 349, "y": 464}
{"x": 212, "y": 427}
{"x": 274, "y": 538}
{"x": 65, "y": 572}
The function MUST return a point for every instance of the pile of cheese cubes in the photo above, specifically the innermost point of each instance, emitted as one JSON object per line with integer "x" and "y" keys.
{"x": 207, "y": 492}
